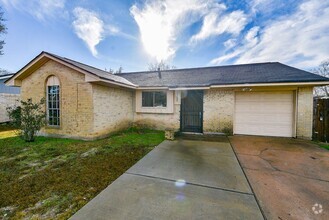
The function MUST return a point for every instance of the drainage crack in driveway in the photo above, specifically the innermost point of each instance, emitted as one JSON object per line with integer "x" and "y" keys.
{"x": 189, "y": 183}
{"x": 287, "y": 172}
{"x": 244, "y": 173}
{"x": 248, "y": 168}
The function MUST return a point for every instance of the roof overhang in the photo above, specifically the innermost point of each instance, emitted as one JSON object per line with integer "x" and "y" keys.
{"x": 190, "y": 88}
{"x": 42, "y": 58}
{"x": 5, "y": 76}
{"x": 321, "y": 83}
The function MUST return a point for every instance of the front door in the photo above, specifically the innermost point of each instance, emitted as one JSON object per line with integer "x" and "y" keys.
{"x": 192, "y": 111}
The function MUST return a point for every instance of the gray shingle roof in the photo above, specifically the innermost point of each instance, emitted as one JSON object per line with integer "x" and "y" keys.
{"x": 95, "y": 71}
{"x": 223, "y": 75}
{"x": 204, "y": 76}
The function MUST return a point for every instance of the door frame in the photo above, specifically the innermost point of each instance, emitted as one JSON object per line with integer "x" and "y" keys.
{"x": 202, "y": 108}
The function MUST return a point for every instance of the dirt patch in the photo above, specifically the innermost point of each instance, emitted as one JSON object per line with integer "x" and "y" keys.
{"x": 90, "y": 152}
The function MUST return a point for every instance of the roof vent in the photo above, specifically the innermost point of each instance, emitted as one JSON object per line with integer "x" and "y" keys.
{"x": 159, "y": 72}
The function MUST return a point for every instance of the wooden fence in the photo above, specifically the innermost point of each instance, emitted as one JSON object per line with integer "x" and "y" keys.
{"x": 321, "y": 120}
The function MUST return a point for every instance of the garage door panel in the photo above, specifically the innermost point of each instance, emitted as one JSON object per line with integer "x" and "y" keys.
{"x": 280, "y": 131}
{"x": 266, "y": 98}
{"x": 279, "y": 108}
{"x": 264, "y": 113}
{"x": 252, "y": 119}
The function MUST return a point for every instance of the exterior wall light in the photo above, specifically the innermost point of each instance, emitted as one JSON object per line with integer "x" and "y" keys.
{"x": 246, "y": 89}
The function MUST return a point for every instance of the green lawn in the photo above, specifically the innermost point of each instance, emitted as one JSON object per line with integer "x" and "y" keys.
{"x": 324, "y": 145}
{"x": 53, "y": 178}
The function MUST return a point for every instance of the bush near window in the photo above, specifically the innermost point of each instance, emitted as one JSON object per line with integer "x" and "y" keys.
{"x": 29, "y": 118}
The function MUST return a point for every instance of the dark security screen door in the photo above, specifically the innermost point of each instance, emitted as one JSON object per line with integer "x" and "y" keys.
{"x": 192, "y": 111}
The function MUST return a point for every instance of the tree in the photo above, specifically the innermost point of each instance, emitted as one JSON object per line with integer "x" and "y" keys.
{"x": 112, "y": 71}
{"x": 29, "y": 118}
{"x": 322, "y": 70}
{"x": 4, "y": 72}
{"x": 2, "y": 30}
{"x": 162, "y": 65}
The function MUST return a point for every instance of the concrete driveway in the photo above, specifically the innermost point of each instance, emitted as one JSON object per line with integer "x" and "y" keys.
{"x": 288, "y": 176}
{"x": 181, "y": 179}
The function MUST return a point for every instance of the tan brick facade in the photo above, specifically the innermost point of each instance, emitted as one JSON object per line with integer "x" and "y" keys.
{"x": 90, "y": 111}
{"x": 218, "y": 110}
{"x": 76, "y": 99}
{"x": 159, "y": 121}
{"x": 7, "y": 100}
{"x": 304, "y": 112}
{"x": 113, "y": 109}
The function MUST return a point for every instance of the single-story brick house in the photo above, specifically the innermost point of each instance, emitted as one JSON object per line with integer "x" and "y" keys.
{"x": 270, "y": 99}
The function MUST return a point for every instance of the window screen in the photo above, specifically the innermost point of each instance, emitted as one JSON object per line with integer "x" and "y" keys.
{"x": 154, "y": 99}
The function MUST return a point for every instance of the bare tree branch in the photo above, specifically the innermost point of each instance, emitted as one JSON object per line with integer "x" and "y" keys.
{"x": 2, "y": 30}
{"x": 322, "y": 70}
{"x": 112, "y": 71}
{"x": 160, "y": 66}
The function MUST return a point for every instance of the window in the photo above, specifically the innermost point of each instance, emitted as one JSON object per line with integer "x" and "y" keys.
{"x": 53, "y": 101}
{"x": 154, "y": 99}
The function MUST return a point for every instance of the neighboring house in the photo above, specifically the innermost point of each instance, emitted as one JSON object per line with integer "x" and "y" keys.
{"x": 9, "y": 96}
{"x": 84, "y": 102}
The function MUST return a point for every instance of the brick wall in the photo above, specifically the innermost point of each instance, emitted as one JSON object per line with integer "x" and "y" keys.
{"x": 90, "y": 111}
{"x": 304, "y": 112}
{"x": 7, "y": 100}
{"x": 113, "y": 109}
{"x": 161, "y": 119}
{"x": 76, "y": 99}
{"x": 218, "y": 110}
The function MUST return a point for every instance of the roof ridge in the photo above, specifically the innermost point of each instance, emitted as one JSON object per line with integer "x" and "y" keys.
{"x": 78, "y": 62}
{"x": 195, "y": 68}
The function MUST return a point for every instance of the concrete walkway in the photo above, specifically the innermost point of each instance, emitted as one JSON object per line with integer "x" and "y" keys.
{"x": 180, "y": 179}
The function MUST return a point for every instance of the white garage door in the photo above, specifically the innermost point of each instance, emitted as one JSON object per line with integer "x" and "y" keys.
{"x": 264, "y": 113}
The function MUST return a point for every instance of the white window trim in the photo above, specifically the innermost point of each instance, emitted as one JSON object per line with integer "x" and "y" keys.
{"x": 158, "y": 109}
{"x": 53, "y": 81}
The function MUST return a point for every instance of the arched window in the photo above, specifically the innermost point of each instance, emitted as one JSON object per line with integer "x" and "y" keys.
{"x": 53, "y": 101}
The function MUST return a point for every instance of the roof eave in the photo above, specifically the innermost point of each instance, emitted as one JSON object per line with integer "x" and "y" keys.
{"x": 315, "y": 83}
{"x": 90, "y": 77}
{"x": 203, "y": 87}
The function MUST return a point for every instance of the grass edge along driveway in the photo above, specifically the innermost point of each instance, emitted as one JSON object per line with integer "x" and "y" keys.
{"x": 53, "y": 178}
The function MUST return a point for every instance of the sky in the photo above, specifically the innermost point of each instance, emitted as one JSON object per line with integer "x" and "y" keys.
{"x": 183, "y": 33}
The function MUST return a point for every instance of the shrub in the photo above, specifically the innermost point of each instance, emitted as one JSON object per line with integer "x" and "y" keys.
{"x": 29, "y": 118}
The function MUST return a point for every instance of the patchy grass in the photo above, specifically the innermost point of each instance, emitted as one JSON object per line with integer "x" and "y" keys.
{"x": 324, "y": 145}
{"x": 53, "y": 178}
{"x": 7, "y": 131}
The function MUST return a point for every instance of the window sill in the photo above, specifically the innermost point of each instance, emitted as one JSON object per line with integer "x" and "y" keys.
{"x": 158, "y": 107}
{"x": 155, "y": 110}
{"x": 53, "y": 127}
